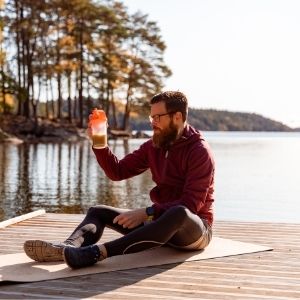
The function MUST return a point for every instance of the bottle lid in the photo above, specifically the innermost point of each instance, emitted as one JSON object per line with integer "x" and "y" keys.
{"x": 97, "y": 115}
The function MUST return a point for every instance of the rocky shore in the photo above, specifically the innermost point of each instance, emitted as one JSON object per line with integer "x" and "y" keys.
{"x": 17, "y": 129}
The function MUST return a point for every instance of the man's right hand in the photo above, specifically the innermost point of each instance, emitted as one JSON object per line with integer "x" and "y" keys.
{"x": 132, "y": 218}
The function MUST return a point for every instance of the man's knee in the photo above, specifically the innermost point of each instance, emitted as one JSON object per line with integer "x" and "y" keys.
{"x": 95, "y": 210}
{"x": 179, "y": 212}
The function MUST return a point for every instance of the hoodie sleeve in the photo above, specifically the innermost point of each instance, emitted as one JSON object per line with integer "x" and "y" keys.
{"x": 198, "y": 181}
{"x": 131, "y": 165}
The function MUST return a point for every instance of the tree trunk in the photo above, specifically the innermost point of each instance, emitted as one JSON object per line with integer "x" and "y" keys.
{"x": 101, "y": 95}
{"x": 59, "y": 100}
{"x": 81, "y": 80}
{"x": 24, "y": 42}
{"x": 19, "y": 112}
{"x": 75, "y": 98}
{"x": 30, "y": 53}
{"x": 89, "y": 101}
{"x": 69, "y": 98}
{"x": 47, "y": 100}
{"x": 3, "y": 89}
{"x": 52, "y": 97}
{"x": 107, "y": 103}
{"x": 31, "y": 82}
{"x": 33, "y": 102}
{"x": 27, "y": 99}
{"x": 127, "y": 110}
{"x": 114, "y": 113}
{"x": 37, "y": 102}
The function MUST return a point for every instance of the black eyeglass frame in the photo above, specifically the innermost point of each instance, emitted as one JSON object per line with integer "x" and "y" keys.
{"x": 156, "y": 118}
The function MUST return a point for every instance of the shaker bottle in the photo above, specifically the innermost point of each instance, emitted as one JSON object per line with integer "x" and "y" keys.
{"x": 98, "y": 125}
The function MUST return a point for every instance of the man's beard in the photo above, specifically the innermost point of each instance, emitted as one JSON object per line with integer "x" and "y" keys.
{"x": 165, "y": 137}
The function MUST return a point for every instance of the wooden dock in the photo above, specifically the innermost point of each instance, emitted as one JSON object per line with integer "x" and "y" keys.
{"x": 267, "y": 275}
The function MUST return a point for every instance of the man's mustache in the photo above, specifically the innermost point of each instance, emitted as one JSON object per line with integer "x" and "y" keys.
{"x": 155, "y": 128}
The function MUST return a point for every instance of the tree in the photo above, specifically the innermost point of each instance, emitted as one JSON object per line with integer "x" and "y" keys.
{"x": 2, "y": 58}
{"x": 110, "y": 59}
{"x": 145, "y": 67}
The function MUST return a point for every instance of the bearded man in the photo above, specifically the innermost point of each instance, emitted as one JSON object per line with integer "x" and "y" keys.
{"x": 181, "y": 215}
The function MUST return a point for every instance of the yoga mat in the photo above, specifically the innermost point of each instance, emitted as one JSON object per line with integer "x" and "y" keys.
{"x": 19, "y": 268}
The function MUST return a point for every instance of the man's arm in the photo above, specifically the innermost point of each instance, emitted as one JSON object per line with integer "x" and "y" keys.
{"x": 131, "y": 165}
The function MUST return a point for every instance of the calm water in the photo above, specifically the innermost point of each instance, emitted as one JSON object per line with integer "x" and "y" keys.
{"x": 257, "y": 177}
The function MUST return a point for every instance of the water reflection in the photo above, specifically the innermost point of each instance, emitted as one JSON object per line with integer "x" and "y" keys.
{"x": 63, "y": 178}
{"x": 257, "y": 177}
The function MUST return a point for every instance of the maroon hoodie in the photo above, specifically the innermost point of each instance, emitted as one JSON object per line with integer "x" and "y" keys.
{"x": 184, "y": 174}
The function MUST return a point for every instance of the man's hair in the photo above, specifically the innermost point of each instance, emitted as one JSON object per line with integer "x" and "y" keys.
{"x": 175, "y": 101}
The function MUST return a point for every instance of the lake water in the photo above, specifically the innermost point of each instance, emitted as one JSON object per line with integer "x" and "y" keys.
{"x": 257, "y": 177}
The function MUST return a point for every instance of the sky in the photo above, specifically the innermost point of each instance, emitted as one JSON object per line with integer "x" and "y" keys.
{"x": 241, "y": 55}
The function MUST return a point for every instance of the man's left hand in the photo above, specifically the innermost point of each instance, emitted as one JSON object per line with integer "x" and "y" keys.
{"x": 132, "y": 218}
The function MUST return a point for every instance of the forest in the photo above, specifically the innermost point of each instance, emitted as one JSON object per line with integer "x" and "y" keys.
{"x": 59, "y": 59}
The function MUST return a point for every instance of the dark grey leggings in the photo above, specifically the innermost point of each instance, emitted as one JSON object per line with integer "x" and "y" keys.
{"x": 177, "y": 227}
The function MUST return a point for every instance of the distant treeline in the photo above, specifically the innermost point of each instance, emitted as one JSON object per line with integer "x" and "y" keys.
{"x": 217, "y": 120}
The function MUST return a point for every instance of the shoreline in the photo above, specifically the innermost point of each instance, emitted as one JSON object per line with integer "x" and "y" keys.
{"x": 17, "y": 130}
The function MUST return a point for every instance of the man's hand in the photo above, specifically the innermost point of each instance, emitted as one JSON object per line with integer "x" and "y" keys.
{"x": 132, "y": 218}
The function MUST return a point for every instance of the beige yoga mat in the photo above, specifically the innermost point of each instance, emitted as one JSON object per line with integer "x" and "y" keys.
{"x": 19, "y": 268}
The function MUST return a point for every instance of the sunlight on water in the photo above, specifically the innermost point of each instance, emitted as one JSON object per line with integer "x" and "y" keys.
{"x": 257, "y": 177}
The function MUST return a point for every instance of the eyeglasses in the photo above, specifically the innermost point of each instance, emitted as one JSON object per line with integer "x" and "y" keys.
{"x": 156, "y": 118}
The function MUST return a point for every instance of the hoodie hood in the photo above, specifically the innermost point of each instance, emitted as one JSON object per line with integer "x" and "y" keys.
{"x": 189, "y": 135}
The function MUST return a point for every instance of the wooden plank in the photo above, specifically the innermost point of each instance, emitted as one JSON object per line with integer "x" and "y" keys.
{"x": 18, "y": 219}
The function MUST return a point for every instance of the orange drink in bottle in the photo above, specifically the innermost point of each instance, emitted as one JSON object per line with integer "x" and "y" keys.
{"x": 98, "y": 126}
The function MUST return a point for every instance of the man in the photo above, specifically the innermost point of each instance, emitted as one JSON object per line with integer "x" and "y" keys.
{"x": 181, "y": 216}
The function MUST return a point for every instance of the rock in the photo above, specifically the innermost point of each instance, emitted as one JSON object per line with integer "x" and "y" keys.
{"x": 115, "y": 133}
{"x": 3, "y": 135}
{"x": 41, "y": 131}
{"x": 141, "y": 135}
{"x": 7, "y": 138}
